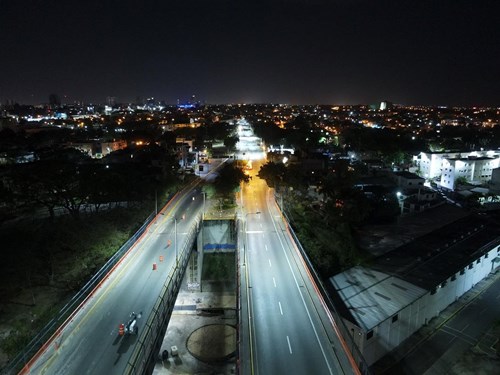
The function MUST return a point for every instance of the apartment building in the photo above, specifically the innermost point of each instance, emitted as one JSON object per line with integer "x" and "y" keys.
{"x": 475, "y": 166}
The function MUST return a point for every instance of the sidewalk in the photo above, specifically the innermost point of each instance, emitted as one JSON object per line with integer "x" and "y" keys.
{"x": 388, "y": 363}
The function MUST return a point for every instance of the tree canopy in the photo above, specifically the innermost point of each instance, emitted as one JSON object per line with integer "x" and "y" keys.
{"x": 229, "y": 179}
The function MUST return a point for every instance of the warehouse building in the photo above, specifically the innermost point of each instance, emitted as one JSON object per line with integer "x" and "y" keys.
{"x": 384, "y": 304}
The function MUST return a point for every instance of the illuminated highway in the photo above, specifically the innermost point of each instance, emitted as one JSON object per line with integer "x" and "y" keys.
{"x": 287, "y": 328}
{"x": 90, "y": 343}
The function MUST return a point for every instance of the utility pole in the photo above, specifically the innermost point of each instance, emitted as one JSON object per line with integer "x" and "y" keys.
{"x": 175, "y": 243}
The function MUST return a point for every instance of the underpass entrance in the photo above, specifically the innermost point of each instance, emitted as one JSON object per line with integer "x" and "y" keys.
{"x": 213, "y": 266}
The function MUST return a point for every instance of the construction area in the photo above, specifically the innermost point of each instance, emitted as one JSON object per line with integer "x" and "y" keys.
{"x": 202, "y": 333}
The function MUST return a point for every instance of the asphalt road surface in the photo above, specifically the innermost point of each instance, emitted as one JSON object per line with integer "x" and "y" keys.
{"x": 290, "y": 332}
{"x": 89, "y": 343}
{"x": 453, "y": 339}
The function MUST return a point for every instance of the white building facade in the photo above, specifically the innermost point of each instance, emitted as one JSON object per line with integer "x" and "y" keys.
{"x": 476, "y": 166}
{"x": 476, "y": 170}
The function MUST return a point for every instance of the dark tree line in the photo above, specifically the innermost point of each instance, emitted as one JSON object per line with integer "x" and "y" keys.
{"x": 72, "y": 184}
{"x": 226, "y": 184}
{"x": 325, "y": 221}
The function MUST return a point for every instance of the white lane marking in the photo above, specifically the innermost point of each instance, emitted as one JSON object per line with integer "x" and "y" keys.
{"x": 251, "y": 326}
{"x": 265, "y": 247}
{"x": 253, "y": 231}
{"x": 460, "y": 335}
{"x": 274, "y": 282}
{"x": 269, "y": 262}
{"x": 330, "y": 370}
{"x": 289, "y": 346}
{"x": 281, "y": 310}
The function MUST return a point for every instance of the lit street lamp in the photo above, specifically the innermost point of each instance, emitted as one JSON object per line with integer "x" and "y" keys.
{"x": 400, "y": 202}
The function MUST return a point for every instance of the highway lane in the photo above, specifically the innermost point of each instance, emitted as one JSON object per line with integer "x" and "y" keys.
{"x": 289, "y": 334}
{"x": 89, "y": 343}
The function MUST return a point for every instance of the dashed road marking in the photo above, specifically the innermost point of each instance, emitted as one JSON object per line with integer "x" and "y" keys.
{"x": 289, "y": 346}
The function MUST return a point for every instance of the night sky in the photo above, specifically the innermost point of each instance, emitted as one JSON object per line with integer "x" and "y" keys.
{"x": 436, "y": 52}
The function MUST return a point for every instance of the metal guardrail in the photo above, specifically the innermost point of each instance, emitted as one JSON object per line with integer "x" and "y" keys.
{"x": 146, "y": 350}
{"x": 37, "y": 343}
{"x": 238, "y": 298}
{"x": 362, "y": 365}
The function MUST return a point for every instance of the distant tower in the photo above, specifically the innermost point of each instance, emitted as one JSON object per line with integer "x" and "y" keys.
{"x": 111, "y": 100}
{"x": 385, "y": 105}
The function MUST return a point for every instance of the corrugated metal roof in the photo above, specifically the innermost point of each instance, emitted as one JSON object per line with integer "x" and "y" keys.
{"x": 372, "y": 296}
{"x": 431, "y": 259}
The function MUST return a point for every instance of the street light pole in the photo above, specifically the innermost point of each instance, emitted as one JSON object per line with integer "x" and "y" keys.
{"x": 400, "y": 202}
{"x": 175, "y": 242}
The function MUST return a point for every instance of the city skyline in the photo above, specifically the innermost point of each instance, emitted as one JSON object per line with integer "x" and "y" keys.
{"x": 295, "y": 51}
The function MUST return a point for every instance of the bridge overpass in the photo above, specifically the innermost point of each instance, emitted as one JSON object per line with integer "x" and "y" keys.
{"x": 143, "y": 279}
{"x": 146, "y": 281}
{"x": 287, "y": 326}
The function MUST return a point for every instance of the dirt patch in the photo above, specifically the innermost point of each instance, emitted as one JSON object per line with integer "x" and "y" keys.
{"x": 213, "y": 343}
{"x": 23, "y": 316}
